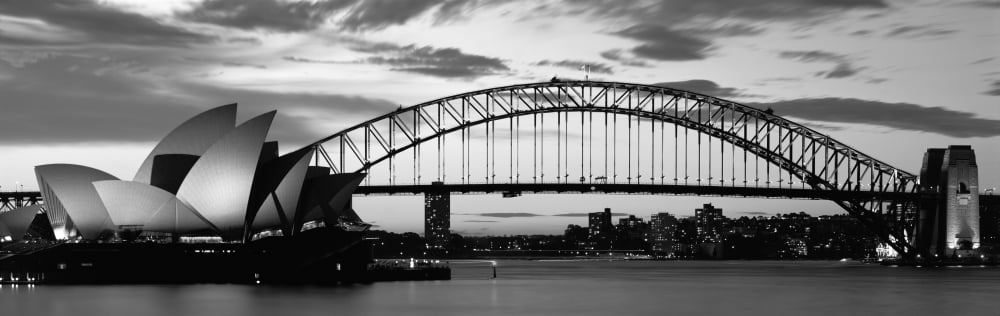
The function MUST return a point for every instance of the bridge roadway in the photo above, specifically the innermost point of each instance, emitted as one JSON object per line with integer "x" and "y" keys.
{"x": 652, "y": 189}
{"x": 10, "y": 197}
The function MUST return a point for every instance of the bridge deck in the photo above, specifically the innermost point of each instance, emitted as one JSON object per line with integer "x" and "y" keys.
{"x": 597, "y": 188}
{"x": 655, "y": 189}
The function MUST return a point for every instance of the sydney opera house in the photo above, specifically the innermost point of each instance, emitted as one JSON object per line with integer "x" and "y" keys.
{"x": 208, "y": 179}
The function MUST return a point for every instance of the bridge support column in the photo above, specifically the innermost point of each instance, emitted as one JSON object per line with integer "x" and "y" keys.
{"x": 949, "y": 216}
{"x": 437, "y": 216}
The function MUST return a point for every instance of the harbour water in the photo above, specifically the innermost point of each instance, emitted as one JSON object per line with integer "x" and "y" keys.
{"x": 562, "y": 287}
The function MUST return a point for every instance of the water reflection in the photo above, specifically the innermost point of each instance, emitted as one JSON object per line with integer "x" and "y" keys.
{"x": 559, "y": 288}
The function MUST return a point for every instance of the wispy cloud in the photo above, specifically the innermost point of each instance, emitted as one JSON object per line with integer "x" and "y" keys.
{"x": 983, "y": 61}
{"x": 346, "y": 15}
{"x": 135, "y": 106}
{"x": 994, "y": 90}
{"x": 706, "y": 87}
{"x": 594, "y": 67}
{"x": 587, "y": 214}
{"x": 310, "y": 60}
{"x": 618, "y": 56}
{"x": 379, "y": 14}
{"x": 506, "y": 215}
{"x": 431, "y": 61}
{"x": 665, "y": 44}
{"x": 275, "y": 15}
{"x": 843, "y": 67}
{"x": 903, "y": 116}
{"x": 914, "y": 31}
{"x": 95, "y": 22}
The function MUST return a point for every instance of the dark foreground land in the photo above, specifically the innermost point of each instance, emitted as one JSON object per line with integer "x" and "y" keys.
{"x": 318, "y": 256}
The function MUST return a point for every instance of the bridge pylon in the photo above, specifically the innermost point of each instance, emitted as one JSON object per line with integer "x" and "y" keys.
{"x": 949, "y": 214}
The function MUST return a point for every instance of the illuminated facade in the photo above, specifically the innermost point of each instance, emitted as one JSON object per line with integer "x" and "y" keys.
{"x": 206, "y": 178}
{"x": 437, "y": 218}
{"x": 710, "y": 222}
{"x": 663, "y": 228}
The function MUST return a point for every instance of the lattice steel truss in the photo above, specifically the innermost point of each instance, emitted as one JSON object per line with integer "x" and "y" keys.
{"x": 13, "y": 200}
{"x": 743, "y": 135}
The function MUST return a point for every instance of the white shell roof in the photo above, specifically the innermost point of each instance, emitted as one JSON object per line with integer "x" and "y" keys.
{"x": 68, "y": 192}
{"x": 218, "y": 185}
{"x": 193, "y": 137}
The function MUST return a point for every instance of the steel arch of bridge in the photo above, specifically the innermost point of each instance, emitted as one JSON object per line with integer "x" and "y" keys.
{"x": 819, "y": 161}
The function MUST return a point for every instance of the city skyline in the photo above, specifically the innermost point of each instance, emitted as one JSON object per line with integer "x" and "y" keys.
{"x": 79, "y": 91}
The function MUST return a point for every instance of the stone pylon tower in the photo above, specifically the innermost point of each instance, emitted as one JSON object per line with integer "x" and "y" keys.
{"x": 961, "y": 197}
{"x": 949, "y": 214}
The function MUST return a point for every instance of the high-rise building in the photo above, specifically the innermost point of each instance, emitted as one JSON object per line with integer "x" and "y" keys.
{"x": 710, "y": 223}
{"x": 600, "y": 224}
{"x": 663, "y": 228}
{"x": 601, "y": 229}
{"x": 437, "y": 218}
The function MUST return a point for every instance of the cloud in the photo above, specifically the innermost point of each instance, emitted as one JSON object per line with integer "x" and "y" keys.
{"x": 903, "y": 116}
{"x": 755, "y": 213}
{"x": 995, "y": 90}
{"x": 577, "y": 65}
{"x": 245, "y": 40}
{"x": 587, "y": 214}
{"x": 378, "y": 14}
{"x": 350, "y": 15}
{"x": 140, "y": 107}
{"x": 982, "y": 61}
{"x": 662, "y": 43}
{"x": 506, "y": 215}
{"x": 861, "y": 32}
{"x": 989, "y": 4}
{"x": 763, "y": 10}
{"x": 616, "y": 55}
{"x": 275, "y": 15}
{"x": 480, "y": 221}
{"x": 843, "y": 67}
{"x": 309, "y": 61}
{"x": 726, "y": 30}
{"x": 813, "y": 56}
{"x": 427, "y": 60}
{"x": 842, "y": 70}
{"x": 237, "y": 64}
{"x": 240, "y": 64}
{"x": 94, "y": 22}
{"x": 706, "y": 87}
{"x": 914, "y": 31}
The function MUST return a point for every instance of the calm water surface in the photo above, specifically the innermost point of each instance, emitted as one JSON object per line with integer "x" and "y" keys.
{"x": 562, "y": 288}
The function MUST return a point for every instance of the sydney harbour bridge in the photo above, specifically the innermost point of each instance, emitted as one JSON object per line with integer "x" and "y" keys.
{"x": 614, "y": 138}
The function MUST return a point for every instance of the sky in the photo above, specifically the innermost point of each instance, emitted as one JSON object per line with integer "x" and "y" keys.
{"x": 98, "y": 83}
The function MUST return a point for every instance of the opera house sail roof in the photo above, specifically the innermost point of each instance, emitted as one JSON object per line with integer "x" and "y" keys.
{"x": 205, "y": 177}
